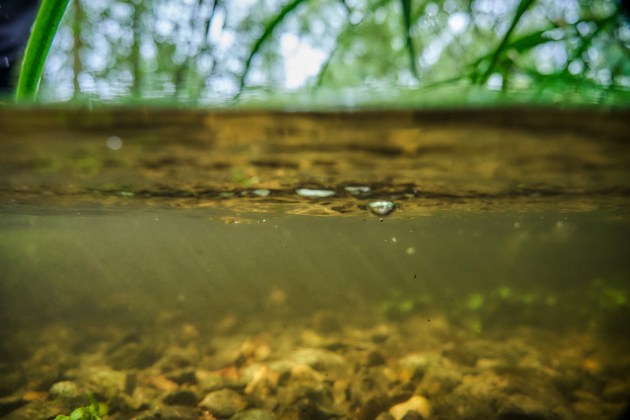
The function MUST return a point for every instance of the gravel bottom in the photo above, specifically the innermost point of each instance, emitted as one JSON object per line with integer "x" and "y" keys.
{"x": 321, "y": 367}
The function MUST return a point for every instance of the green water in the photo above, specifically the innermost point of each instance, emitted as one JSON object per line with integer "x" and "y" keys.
{"x": 95, "y": 263}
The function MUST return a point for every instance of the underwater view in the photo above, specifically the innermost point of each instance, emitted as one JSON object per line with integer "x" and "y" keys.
{"x": 313, "y": 210}
{"x": 301, "y": 265}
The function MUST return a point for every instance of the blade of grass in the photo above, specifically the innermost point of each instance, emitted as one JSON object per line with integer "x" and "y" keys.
{"x": 44, "y": 30}
{"x": 406, "y": 15}
{"x": 269, "y": 28}
{"x": 520, "y": 10}
{"x": 521, "y": 44}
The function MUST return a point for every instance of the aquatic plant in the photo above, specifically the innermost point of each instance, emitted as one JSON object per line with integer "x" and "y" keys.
{"x": 94, "y": 411}
{"x": 44, "y": 30}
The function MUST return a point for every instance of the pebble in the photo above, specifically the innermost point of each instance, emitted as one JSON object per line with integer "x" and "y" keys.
{"x": 66, "y": 390}
{"x": 417, "y": 403}
{"x": 254, "y": 414}
{"x": 182, "y": 376}
{"x": 210, "y": 381}
{"x": 374, "y": 358}
{"x": 321, "y": 360}
{"x": 223, "y": 403}
{"x": 108, "y": 382}
{"x": 373, "y": 407}
{"x": 181, "y": 397}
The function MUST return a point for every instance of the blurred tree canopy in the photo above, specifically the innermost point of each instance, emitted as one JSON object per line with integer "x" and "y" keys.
{"x": 210, "y": 51}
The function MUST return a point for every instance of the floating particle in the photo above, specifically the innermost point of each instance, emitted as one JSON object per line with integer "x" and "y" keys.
{"x": 114, "y": 143}
{"x": 382, "y": 208}
{"x": 314, "y": 193}
{"x": 410, "y": 251}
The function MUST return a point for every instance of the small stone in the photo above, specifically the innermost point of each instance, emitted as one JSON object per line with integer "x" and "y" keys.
{"x": 372, "y": 407}
{"x": 66, "y": 390}
{"x": 254, "y": 414}
{"x": 182, "y": 376}
{"x": 412, "y": 415}
{"x": 211, "y": 381}
{"x": 133, "y": 355}
{"x": 417, "y": 403}
{"x": 108, "y": 382}
{"x": 321, "y": 360}
{"x": 172, "y": 412}
{"x": 120, "y": 404}
{"x": 176, "y": 357}
{"x": 374, "y": 358}
{"x": 223, "y": 403}
{"x": 305, "y": 409}
{"x": 181, "y": 397}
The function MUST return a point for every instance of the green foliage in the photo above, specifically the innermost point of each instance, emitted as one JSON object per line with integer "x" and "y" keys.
{"x": 268, "y": 30}
{"x": 44, "y": 29}
{"x": 94, "y": 411}
{"x": 215, "y": 51}
{"x": 522, "y": 7}
{"x": 411, "y": 50}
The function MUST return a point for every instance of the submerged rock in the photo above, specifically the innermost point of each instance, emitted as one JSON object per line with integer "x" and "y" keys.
{"x": 223, "y": 403}
{"x": 65, "y": 390}
{"x": 417, "y": 404}
{"x": 321, "y": 360}
{"x": 254, "y": 414}
{"x": 181, "y": 397}
{"x": 171, "y": 412}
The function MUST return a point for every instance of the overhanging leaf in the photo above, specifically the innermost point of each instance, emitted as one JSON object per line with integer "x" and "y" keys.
{"x": 520, "y": 10}
{"x": 269, "y": 28}
{"x": 411, "y": 51}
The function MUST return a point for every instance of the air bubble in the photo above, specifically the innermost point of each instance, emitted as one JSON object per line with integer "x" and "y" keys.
{"x": 314, "y": 193}
{"x": 382, "y": 208}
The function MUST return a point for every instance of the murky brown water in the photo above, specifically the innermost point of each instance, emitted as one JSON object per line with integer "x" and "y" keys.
{"x": 191, "y": 264}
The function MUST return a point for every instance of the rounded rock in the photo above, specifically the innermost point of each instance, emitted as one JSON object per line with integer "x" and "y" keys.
{"x": 255, "y": 414}
{"x": 223, "y": 403}
{"x": 417, "y": 403}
